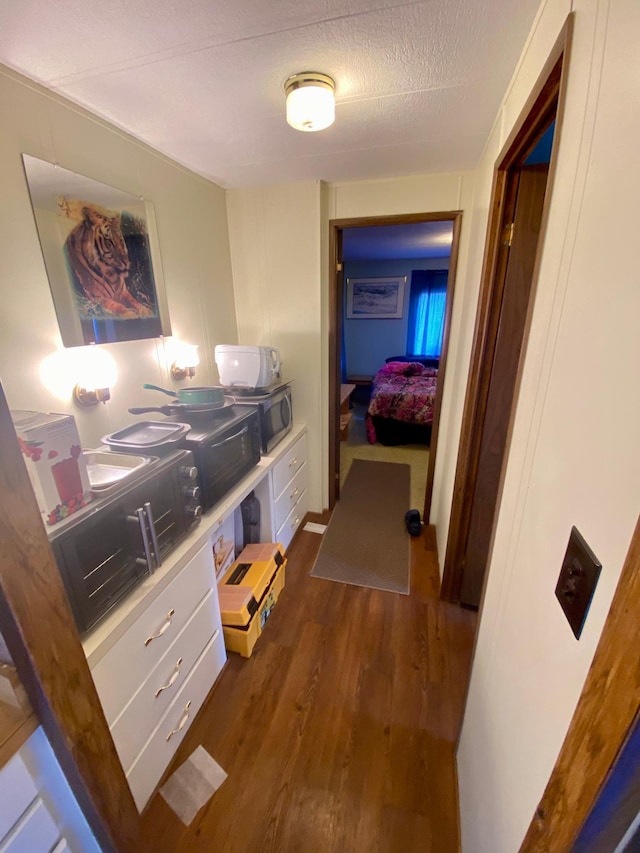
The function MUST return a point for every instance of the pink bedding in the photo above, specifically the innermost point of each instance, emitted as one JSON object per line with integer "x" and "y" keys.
{"x": 404, "y": 391}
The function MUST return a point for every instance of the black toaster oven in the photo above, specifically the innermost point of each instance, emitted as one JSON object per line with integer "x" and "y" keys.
{"x": 113, "y": 543}
{"x": 224, "y": 450}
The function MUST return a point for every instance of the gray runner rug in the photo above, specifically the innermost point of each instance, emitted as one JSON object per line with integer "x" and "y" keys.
{"x": 366, "y": 542}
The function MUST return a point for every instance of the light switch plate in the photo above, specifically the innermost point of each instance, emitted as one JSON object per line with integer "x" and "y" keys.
{"x": 577, "y": 582}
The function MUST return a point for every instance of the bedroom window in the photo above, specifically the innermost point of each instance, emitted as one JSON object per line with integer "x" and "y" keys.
{"x": 427, "y": 303}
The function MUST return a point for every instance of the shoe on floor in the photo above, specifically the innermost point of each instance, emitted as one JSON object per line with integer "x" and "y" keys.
{"x": 412, "y": 520}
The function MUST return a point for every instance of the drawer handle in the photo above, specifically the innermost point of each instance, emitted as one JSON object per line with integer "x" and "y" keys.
{"x": 182, "y": 723}
{"x": 294, "y": 493}
{"x": 174, "y": 675}
{"x": 293, "y": 462}
{"x": 295, "y": 521}
{"x": 163, "y": 629}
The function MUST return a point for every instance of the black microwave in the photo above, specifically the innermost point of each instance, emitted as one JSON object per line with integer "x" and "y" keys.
{"x": 112, "y": 544}
{"x": 275, "y": 414}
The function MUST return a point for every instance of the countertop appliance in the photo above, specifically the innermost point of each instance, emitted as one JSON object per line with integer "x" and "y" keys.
{"x": 108, "y": 547}
{"x": 224, "y": 450}
{"x": 156, "y": 437}
{"x": 247, "y": 366}
{"x": 275, "y": 413}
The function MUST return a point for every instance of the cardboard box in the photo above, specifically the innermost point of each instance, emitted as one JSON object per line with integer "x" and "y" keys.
{"x": 223, "y": 543}
{"x": 248, "y": 593}
{"x": 53, "y": 455}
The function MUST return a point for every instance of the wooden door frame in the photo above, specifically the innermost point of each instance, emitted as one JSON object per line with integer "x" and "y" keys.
{"x": 545, "y": 99}
{"x": 41, "y": 635}
{"x": 336, "y": 227}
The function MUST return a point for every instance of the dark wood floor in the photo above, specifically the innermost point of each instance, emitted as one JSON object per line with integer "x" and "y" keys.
{"x": 338, "y": 734}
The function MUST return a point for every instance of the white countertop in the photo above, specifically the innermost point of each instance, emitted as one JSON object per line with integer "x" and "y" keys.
{"x": 98, "y": 642}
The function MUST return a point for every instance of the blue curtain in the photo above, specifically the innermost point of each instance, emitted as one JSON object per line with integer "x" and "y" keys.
{"x": 427, "y": 303}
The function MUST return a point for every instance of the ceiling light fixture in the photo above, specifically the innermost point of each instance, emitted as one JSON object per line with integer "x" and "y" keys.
{"x": 311, "y": 101}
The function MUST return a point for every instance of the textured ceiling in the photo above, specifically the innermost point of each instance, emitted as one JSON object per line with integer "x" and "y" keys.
{"x": 418, "y": 84}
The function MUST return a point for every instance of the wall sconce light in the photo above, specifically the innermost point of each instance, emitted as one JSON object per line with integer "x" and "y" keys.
{"x": 90, "y": 397}
{"x": 96, "y": 376}
{"x": 186, "y": 361}
{"x": 311, "y": 101}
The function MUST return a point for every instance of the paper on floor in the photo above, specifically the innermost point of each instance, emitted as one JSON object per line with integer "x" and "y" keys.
{"x": 312, "y": 527}
{"x": 193, "y": 784}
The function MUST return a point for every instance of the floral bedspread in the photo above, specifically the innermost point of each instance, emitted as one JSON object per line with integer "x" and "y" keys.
{"x": 402, "y": 390}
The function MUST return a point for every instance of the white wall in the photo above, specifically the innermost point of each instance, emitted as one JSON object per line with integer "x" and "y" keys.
{"x": 574, "y": 456}
{"x": 369, "y": 341}
{"x": 192, "y": 227}
{"x": 275, "y": 235}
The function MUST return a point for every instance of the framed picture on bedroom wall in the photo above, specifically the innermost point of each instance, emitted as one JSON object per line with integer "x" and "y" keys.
{"x": 375, "y": 298}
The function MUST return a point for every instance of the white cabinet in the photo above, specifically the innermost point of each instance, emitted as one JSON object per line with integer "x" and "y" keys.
{"x": 156, "y": 657}
{"x": 154, "y": 696}
{"x": 290, "y": 496}
{"x": 172, "y": 654}
{"x": 289, "y": 491}
{"x": 125, "y": 666}
{"x": 168, "y": 734}
{"x": 35, "y": 803}
{"x": 286, "y": 467}
{"x": 18, "y": 791}
{"x": 287, "y": 531}
{"x": 35, "y": 831}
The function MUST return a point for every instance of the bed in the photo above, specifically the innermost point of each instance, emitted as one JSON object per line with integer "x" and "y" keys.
{"x": 401, "y": 405}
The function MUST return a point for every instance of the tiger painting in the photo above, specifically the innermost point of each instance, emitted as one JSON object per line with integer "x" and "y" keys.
{"x": 98, "y": 256}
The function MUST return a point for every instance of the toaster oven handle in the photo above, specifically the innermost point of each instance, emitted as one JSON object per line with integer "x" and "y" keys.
{"x": 154, "y": 535}
{"x": 287, "y": 400}
{"x": 142, "y": 523}
{"x": 243, "y": 431}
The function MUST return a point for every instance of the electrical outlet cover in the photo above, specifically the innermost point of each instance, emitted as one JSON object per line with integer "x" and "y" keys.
{"x": 577, "y": 581}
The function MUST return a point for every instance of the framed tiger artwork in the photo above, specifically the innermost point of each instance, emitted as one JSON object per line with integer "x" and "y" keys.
{"x": 102, "y": 257}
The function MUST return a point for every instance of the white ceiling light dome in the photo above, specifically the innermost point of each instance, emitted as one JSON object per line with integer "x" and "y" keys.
{"x": 311, "y": 101}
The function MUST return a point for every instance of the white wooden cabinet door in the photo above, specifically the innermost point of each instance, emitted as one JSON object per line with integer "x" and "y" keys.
{"x": 285, "y": 468}
{"x": 290, "y": 495}
{"x": 35, "y": 832}
{"x": 292, "y": 522}
{"x": 131, "y": 729}
{"x": 126, "y": 666}
{"x": 17, "y": 790}
{"x": 149, "y": 766}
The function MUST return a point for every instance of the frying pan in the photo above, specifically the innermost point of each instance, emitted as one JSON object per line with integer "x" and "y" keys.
{"x": 204, "y": 395}
{"x": 185, "y": 408}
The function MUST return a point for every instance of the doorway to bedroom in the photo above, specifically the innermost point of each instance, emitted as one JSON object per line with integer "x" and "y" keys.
{"x": 391, "y": 301}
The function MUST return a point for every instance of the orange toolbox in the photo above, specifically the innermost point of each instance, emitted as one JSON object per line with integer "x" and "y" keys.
{"x": 248, "y": 593}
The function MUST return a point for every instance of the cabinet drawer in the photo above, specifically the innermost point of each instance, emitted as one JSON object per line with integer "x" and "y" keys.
{"x": 290, "y": 496}
{"x": 134, "y": 725}
{"x": 18, "y": 790}
{"x": 158, "y": 751}
{"x": 36, "y": 830}
{"x": 292, "y": 522}
{"x": 124, "y": 668}
{"x": 286, "y": 467}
